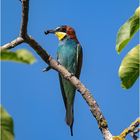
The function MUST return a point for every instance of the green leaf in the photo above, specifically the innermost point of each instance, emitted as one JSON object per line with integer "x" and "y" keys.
{"x": 127, "y": 31}
{"x": 130, "y": 68}
{"x": 6, "y": 125}
{"x": 22, "y": 56}
{"x": 137, "y": 12}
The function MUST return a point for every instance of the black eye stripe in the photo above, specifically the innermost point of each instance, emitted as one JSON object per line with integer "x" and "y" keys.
{"x": 63, "y": 30}
{"x": 60, "y": 29}
{"x": 57, "y": 29}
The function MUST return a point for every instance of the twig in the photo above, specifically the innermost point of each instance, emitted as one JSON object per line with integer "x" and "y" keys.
{"x": 24, "y": 22}
{"x": 39, "y": 50}
{"x": 134, "y": 134}
{"x": 12, "y": 44}
{"x": 131, "y": 128}
{"x": 86, "y": 94}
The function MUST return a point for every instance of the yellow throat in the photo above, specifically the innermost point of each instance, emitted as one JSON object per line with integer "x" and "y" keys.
{"x": 60, "y": 35}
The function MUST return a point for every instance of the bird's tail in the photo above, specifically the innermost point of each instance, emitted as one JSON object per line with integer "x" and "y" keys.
{"x": 70, "y": 118}
{"x": 71, "y": 129}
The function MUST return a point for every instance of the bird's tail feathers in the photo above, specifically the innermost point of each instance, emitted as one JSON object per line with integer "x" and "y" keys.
{"x": 70, "y": 118}
{"x": 71, "y": 130}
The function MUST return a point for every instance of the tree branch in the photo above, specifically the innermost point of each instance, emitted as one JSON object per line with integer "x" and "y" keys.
{"x": 131, "y": 128}
{"x": 134, "y": 134}
{"x": 12, "y": 44}
{"x": 39, "y": 50}
{"x": 24, "y": 22}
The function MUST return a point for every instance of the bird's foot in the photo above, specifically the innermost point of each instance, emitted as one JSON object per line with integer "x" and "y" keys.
{"x": 47, "y": 69}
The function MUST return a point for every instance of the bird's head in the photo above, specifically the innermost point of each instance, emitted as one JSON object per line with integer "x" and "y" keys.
{"x": 62, "y": 32}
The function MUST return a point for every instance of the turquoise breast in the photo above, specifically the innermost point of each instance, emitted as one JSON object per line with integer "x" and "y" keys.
{"x": 66, "y": 54}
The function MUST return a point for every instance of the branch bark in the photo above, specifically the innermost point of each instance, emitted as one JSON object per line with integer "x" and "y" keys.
{"x": 12, "y": 44}
{"x": 131, "y": 128}
{"x": 24, "y": 22}
{"x": 135, "y": 134}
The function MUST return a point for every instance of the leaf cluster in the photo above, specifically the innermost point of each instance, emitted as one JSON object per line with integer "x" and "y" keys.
{"x": 130, "y": 65}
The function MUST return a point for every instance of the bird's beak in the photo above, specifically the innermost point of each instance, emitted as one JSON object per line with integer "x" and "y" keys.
{"x": 50, "y": 31}
{"x": 60, "y": 35}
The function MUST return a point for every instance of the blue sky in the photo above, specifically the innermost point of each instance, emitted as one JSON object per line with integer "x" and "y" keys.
{"x": 33, "y": 98}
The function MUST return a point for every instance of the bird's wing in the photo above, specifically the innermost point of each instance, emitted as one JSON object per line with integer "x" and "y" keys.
{"x": 61, "y": 84}
{"x": 79, "y": 60}
{"x": 62, "y": 90}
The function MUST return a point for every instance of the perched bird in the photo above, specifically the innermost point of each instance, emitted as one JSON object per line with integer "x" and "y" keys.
{"x": 69, "y": 54}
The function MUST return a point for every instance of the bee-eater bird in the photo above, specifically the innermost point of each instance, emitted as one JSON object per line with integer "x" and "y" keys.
{"x": 69, "y": 54}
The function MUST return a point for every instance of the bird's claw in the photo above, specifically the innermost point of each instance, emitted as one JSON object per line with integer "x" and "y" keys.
{"x": 47, "y": 69}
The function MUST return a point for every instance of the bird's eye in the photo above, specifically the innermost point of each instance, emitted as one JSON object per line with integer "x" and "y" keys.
{"x": 63, "y": 30}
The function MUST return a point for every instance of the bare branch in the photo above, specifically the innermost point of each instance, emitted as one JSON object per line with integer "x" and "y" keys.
{"x": 12, "y": 44}
{"x": 134, "y": 134}
{"x": 131, "y": 128}
{"x": 24, "y": 22}
{"x": 39, "y": 50}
